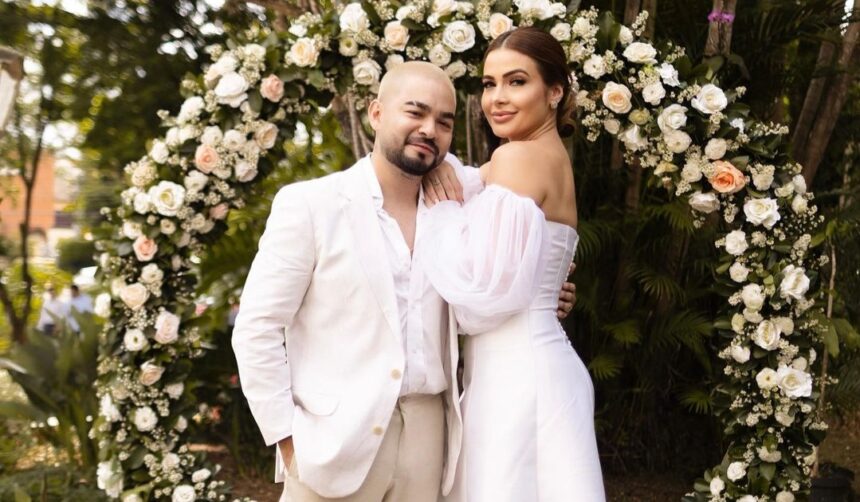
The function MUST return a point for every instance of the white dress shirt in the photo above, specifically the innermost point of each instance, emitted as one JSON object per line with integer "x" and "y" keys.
{"x": 424, "y": 373}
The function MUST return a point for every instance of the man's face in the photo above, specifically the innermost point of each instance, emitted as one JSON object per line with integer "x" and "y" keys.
{"x": 415, "y": 124}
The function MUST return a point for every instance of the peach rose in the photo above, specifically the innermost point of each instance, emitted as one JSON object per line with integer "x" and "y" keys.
{"x": 219, "y": 212}
{"x": 206, "y": 158}
{"x": 726, "y": 178}
{"x": 272, "y": 88}
{"x": 144, "y": 248}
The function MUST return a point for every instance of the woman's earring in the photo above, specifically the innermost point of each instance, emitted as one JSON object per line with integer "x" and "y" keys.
{"x": 553, "y": 105}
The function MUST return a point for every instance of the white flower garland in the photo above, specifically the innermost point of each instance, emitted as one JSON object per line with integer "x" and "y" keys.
{"x": 230, "y": 131}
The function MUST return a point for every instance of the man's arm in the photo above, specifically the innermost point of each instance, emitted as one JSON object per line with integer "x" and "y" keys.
{"x": 273, "y": 293}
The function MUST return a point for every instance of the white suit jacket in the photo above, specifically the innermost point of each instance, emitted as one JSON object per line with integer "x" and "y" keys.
{"x": 318, "y": 337}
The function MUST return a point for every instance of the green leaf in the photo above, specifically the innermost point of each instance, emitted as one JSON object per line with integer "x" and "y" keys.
{"x": 605, "y": 366}
{"x": 371, "y": 13}
{"x": 767, "y": 470}
{"x": 21, "y": 495}
{"x": 848, "y": 336}
{"x": 626, "y": 332}
{"x": 831, "y": 339}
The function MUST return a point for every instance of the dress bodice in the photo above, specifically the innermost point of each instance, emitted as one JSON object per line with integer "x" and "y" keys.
{"x": 559, "y": 251}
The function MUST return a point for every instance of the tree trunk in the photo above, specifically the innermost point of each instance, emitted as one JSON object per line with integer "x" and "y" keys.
{"x": 822, "y": 130}
{"x": 812, "y": 99}
{"x": 480, "y": 143}
{"x": 720, "y": 28}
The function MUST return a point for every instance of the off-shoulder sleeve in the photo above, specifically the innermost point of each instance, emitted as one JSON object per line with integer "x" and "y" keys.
{"x": 485, "y": 258}
{"x": 470, "y": 177}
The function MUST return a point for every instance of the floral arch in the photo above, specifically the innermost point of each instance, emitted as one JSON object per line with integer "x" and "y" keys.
{"x": 672, "y": 118}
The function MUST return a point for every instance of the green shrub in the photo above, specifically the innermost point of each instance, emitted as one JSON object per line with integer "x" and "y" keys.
{"x": 75, "y": 254}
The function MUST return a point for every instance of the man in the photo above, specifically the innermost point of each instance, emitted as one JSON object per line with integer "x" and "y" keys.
{"x": 79, "y": 303}
{"x": 52, "y": 311}
{"x": 361, "y": 409}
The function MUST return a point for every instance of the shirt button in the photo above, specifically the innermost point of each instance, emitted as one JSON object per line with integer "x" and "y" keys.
{"x": 395, "y": 374}
{"x": 378, "y": 430}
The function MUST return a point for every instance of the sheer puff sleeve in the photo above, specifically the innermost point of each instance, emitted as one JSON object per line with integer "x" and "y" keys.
{"x": 485, "y": 258}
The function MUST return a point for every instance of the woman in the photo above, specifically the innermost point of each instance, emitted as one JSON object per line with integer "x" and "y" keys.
{"x": 528, "y": 403}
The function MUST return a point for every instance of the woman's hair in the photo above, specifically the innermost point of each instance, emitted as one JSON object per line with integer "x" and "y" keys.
{"x": 551, "y": 61}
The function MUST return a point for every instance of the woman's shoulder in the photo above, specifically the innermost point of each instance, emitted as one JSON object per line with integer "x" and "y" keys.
{"x": 521, "y": 166}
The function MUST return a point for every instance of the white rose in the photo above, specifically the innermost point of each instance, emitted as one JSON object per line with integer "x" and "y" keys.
{"x": 653, "y": 93}
{"x": 459, "y": 36}
{"x": 167, "y": 197}
{"x": 150, "y": 373}
{"x": 594, "y": 66}
{"x": 166, "y": 226}
{"x": 303, "y": 53}
{"x": 669, "y": 75}
{"x": 710, "y": 99}
{"x": 766, "y": 379}
{"x": 174, "y": 390}
{"x": 612, "y": 126}
{"x": 190, "y": 109}
{"x": 226, "y": 63}
{"x": 582, "y": 27}
{"x": 768, "y": 456}
{"x": 738, "y": 272}
{"x": 109, "y": 479}
{"x": 753, "y": 297}
{"x": 456, "y": 70}
{"x": 740, "y": 353}
{"x": 393, "y": 60}
{"x": 101, "y": 305}
{"x": 625, "y": 36}
{"x": 134, "y": 295}
{"x": 800, "y": 364}
{"x": 194, "y": 181}
{"x": 784, "y": 497}
{"x": 703, "y": 202}
{"x": 266, "y": 135}
{"x": 108, "y": 409}
{"x": 561, "y": 32}
{"x": 748, "y": 498}
{"x": 633, "y": 139}
{"x": 184, "y": 493}
{"x": 717, "y": 485}
{"x": 166, "y": 328}
{"x": 298, "y": 30}
{"x": 159, "y": 152}
{"x": 231, "y": 90}
{"x": 404, "y": 12}
{"x": 353, "y": 19}
{"x": 783, "y": 418}
{"x": 348, "y": 47}
{"x": 736, "y": 242}
{"x": 794, "y": 283}
{"x": 640, "y": 52}
{"x": 212, "y": 135}
{"x": 677, "y": 141}
{"x": 738, "y": 322}
{"x": 763, "y": 181}
{"x": 245, "y": 171}
{"x": 151, "y": 274}
{"x": 255, "y": 52}
{"x": 672, "y": 117}
{"x": 753, "y": 316}
{"x": 691, "y": 173}
{"x": 498, "y": 24}
{"x": 540, "y": 9}
{"x": 131, "y": 229}
{"x": 439, "y": 55}
{"x": 366, "y": 72}
{"x": 799, "y": 183}
{"x": 134, "y": 340}
{"x": 443, "y": 7}
{"x": 716, "y": 148}
{"x": 141, "y": 203}
{"x": 794, "y": 383}
{"x": 764, "y": 211}
{"x": 616, "y": 97}
{"x": 170, "y": 461}
{"x": 200, "y": 475}
{"x": 767, "y": 335}
{"x": 736, "y": 471}
{"x": 799, "y": 204}
{"x": 396, "y": 35}
{"x": 145, "y": 419}
{"x": 234, "y": 140}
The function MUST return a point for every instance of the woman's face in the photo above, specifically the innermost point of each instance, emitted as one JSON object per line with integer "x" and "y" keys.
{"x": 516, "y": 101}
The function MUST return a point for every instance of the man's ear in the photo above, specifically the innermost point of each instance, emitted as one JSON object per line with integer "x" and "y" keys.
{"x": 374, "y": 114}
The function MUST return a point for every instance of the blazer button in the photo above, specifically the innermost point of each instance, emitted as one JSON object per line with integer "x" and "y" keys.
{"x": 395, "y": 374}
{"x": 378, "y": 430}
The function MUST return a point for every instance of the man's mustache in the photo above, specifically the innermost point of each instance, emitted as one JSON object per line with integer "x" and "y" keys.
{"x": 429, "y": 142}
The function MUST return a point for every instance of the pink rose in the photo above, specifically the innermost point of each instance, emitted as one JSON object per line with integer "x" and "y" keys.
{"x": 219, "y": 212}
{"x": 144, "y": 248}
{"x": 206, "y": 158}
{"x": 272, "y": 88}
{"x": 726, "y": 178}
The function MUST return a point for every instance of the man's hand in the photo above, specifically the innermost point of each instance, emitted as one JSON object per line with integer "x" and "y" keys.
{"x": 567, "y": 297}
{"x": 442, "y": 184}
{"x": 286, "y": 447}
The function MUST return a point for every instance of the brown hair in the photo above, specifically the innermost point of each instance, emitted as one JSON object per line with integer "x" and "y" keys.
{"x": 551, "y": 61}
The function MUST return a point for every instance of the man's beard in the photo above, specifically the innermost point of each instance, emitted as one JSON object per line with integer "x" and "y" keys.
{"x": 410, "y": 165}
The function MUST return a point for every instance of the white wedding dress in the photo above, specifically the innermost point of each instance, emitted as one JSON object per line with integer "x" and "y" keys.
{"x": 528, "y": 404}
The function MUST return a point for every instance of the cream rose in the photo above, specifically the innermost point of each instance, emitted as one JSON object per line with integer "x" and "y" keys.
{"x": 753, "y": 297}
{"x": 272, "y": 88}
{"x": 616, "y": 97}
{"x": 738, "y": 272}
{"x": 195, "y": 181}
{"x": 151, "y": 274}
{"x": 234, "y": 140}
{"x": 212, "y": 135}
{"x": 653, "y": 93}
{"x": 704, "y": 202}
{"x": 200, "y": 475}
{"x": 396, "y": 35}
{"x": 174, "y": 390}
{"x": 456, "y": 69}
{"x": 612, "y": 126}
{"x": 184, "y": 493}
{"x": 736, "y": 242}
{"x": 353, "y": 19}
{"x": 245, "y": 171}
{"x": 738, "y": 322}
{"x": 101, "y": 305}
{"x": 166, "y": 328}
{"x": 348, "y": 47}
{"x": 762, "y": 181}
{"x": 439, "y": 55}
{"x": 691, "y": 173}
{"x": 764, "y": 211}
{"x": 794, "y": 283}
{"x": 784, "y": 418}
{"x": 625, "y": 36}
{"x": 710, "y": 99}
{"x": 366, "y": 72}
{"x": 740, "y": 353}
{"x": 786, "y": 325}
{"x": 672, "y": 117}
{"x": 134, "y": 295}
{"x": 459, "y": 36}
{"x": 717, "y": 485}
{"x": 150, "y": 373}
{"x": 716, "y": 148}
{"x": 766, "y": 379}
{"x": 206, "y": 158}
{"x": 794, "y": 383}
{"x": 640, "y": 52}
{"x": 167, "y": 197}
{"x": 304, "y": 53}
{"x": 736, "y": 471}
{"x": 393, "y": 60}
{"x": 633, "y": 139}
{"x": 799, "y": 183}
{"x": 561, "y": 32}
{"x": 266, "y": 135}
{"x": 669, "y": 75}
{"x": 159, "y": 152}
{"x": 767, "y": 335}
{"x": 726, "y": 178}
{"x": 799, "y": 204}
{"x": 190, "y": 109}
{"x": 784, "y": 496}
{"x": 109, "y": 479}
{"x": 226, "y": 63}
{"x": 594, "y": 66}
{"x": 498, "y": 24}
{"x": 443, "y": 7}
{"x": 677, "y": 141}
{"x": 134, "y": 340}
{"x": 231, "y": 90}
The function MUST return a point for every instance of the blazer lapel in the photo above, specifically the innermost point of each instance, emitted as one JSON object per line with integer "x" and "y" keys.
{"x": 368, "y": 241}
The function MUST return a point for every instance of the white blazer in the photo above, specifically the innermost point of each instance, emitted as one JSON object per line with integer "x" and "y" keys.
{"x": 317, "y": 338}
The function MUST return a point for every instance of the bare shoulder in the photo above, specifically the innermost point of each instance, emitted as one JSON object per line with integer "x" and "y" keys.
{"x": 519, "y": 166}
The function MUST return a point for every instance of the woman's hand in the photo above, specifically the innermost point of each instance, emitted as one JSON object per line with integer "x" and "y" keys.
{"x": 442, "y": 184}
{"x": 567, "y": 296}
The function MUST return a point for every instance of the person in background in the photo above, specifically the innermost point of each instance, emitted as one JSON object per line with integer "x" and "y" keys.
{"x": 52, "y": 311}
{"x": 79, "y": 302}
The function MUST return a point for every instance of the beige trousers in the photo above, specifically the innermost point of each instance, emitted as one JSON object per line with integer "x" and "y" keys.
{"x": 408, "y": 466}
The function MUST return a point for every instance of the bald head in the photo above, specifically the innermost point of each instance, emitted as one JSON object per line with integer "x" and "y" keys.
{"x": 396, "y": 79}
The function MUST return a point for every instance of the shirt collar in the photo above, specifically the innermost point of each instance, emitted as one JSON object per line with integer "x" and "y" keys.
{"x": 376, "y": 188}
